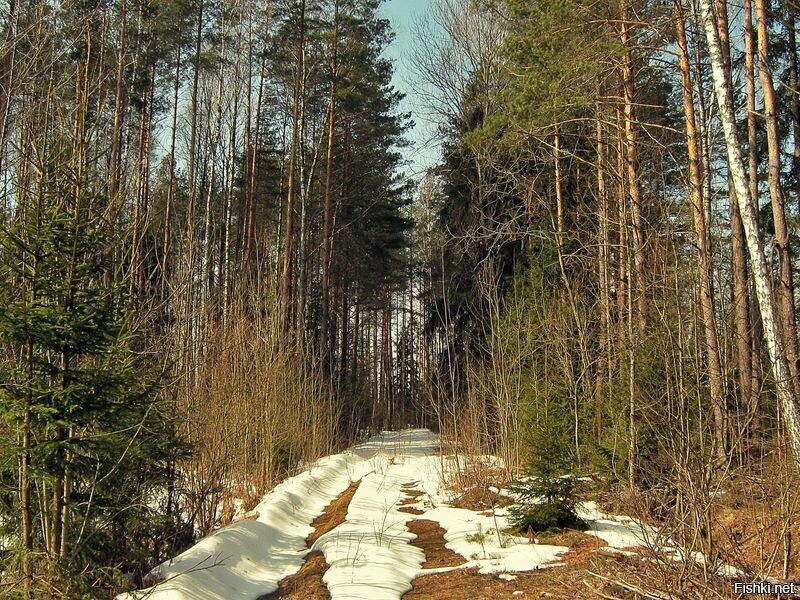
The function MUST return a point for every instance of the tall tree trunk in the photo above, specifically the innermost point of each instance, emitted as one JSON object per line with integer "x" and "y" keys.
{"x": 138, "y": 215}
{"x": 386, "y": 359}
{"x": 794, "y": 91}
{"x": 226, "y": 259}
{"x": 745, "y": 342}
{"x": 632, "y": 169}
{"x": 114, "y": 172}
{"x": 697, "y": 202}
{"x": 625, "y": 288}
{"x": 781, "y": 240}
{"x": 344, "y": 365}
{"x": 192, "y": 159}
{"x": 287, "y": 282}
{"x": 357, "y": 346}
{"x": 7, "y": 73}
{"x": 724, "y": 93}
{"x": 327, "y": 232}
{"x": 622, "y": 281}
{"x": 250, "y": 218}
{"x": 25, "y": 484}
{"x": 171, "y": 175}
{"x": 206, "y": 272}
{"x": 603, "y": 268}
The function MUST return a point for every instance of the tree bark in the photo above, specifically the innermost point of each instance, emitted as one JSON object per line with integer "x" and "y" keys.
{"x": 603, "y": 267}
{"x": 7, "y": 83}
{"x": 745, "y": 342}
{"x": 697, "y": 202}
{"x": 723, "y": 90}
{"x": 632, "y": 169}
{"x": 327, "y": 232}
{"x": 192, "y": 159}
{"x": 794, "y": 91}
{"x": 287, "y": 282}
{"x": 116, "y": 134}
{"x": 781, "y": 241}
{"x": 250, "y": 218}
{"x": 25, "y": 486}
{"x": 171, "y": 175}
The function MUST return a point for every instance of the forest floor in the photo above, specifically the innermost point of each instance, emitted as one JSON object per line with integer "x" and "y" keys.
{"x": 381, "y": 522}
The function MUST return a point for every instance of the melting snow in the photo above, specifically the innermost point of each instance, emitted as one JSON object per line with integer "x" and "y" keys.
{"x": 370, "y": 555}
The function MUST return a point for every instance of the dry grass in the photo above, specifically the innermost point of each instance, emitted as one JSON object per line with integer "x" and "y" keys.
{"x": 754, "y": 524}
{"x": 334, "y": 515}
{"x": 255, "y": 406}
{"x": 480, "y": 499}
{"x": 430, "y": 539}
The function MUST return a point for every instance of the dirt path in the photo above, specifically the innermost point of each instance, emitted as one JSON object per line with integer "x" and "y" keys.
{"x": 398, "y": 532}
{"x": 307, "y": 583}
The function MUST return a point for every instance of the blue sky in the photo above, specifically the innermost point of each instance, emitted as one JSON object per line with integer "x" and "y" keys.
{"x": 401, "y": 14}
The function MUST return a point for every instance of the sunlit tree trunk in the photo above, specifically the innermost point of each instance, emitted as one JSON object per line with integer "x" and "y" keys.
{"x": 746, "y": 344}
{"x": 7, "y": 72}
{"x": 697, "y": 202}
{"x": 171, "y": 174}
{"x": 327, "y": 231}
{"x": 772, "y": 333}
{"x": 287, "y": 281}
{"x": 632, "y": 168}
{"x": 114, "y": 171}
{"x": 794, "y": 91}
{"x": 781, "y": 242}
{"x": 603, "y": 268}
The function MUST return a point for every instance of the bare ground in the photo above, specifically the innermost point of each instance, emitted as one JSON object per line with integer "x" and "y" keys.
{"x": 307, "y": 583}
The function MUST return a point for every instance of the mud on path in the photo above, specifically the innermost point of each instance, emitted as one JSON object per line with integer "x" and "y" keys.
{"x": 307, "y": 583}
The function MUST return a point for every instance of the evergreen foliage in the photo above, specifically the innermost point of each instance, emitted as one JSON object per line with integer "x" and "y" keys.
{"x": 545, "y": 504}
{"x": 72, "y": 375}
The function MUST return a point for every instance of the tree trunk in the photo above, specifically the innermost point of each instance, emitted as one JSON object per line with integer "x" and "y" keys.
{"x": 723, "y": 90}
{"x": 226, "y": 260}
{"x": 603, "y": 267}
{"x": 706, "y": 275}
{"x": 250, "y": 211}
{"x": 621, "y": 282}
{"x": 114, "y": 173}
{"x": 794, "y": 91}
{"x": 192, "y": 159}
{"x": 287, "y": 282}
{"x": 25, "y": 487}
{"x": 344, "y": 366}
{"x": 632, "y": 170}
{"x": 748, "y": 376}
{"x": 781, "y": 241}
{"x": 327, "y": 232}
{"x": 171, "y": 175}
{"x": 7, "y": 73}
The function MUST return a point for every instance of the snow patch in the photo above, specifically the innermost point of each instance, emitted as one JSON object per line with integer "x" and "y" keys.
{"x": 249, "y": 558}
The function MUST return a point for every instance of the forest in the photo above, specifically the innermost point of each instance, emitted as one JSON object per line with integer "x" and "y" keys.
{"x": 217, "y": 265}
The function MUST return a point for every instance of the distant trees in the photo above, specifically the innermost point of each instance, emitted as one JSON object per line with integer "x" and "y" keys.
{"x": 605, "y": 288}
{"x": 182, "y": 183}
{"x": 573, "y": 167}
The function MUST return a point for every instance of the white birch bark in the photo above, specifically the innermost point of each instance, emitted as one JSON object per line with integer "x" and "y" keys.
{"x": 747, "y": 209}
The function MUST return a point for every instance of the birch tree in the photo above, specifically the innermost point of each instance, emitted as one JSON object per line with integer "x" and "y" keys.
{"x": 747, "y": 208}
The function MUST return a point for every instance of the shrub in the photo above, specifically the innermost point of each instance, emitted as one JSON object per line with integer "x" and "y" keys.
{"x": 546, "y": 503}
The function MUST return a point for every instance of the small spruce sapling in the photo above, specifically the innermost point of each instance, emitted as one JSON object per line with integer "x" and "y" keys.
{"x": 546, "y": 499}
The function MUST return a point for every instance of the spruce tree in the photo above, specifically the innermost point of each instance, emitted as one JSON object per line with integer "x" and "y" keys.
{"x": 89, "y": 445}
